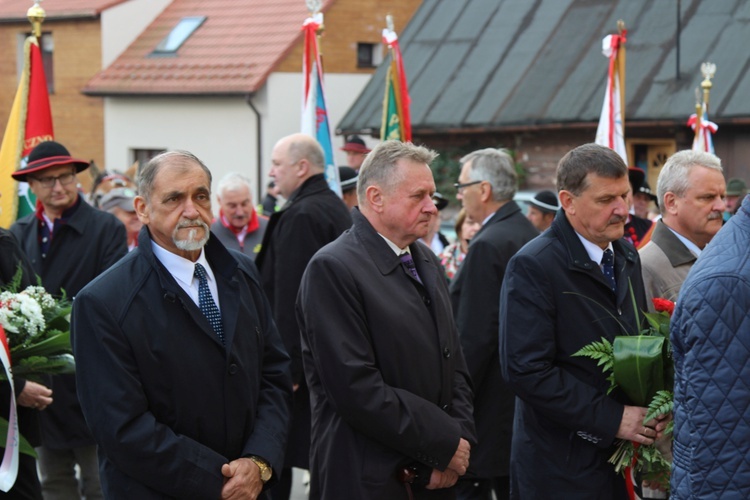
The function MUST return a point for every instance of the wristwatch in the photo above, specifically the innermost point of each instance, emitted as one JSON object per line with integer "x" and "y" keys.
{"x": 265, "y": 469}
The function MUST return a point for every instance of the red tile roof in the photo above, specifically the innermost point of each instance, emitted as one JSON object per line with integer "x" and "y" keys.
{"x": 232, "y": 52}
{"x": 55, "y": 9}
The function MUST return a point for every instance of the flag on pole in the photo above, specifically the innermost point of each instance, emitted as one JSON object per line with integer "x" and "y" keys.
{"x": 704, "y": 130}
{"x": 315, "y": 119}
{"x": 396, "y": 117}
{"x": 698, "y": 121}
{"x": 30, "y": 123}
{"x": 611, "y": 129}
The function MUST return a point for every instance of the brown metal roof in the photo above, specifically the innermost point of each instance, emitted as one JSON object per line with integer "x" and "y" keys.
{"x": 231, "y": 53}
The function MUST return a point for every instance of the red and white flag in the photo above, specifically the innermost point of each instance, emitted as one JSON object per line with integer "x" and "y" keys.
{"x": 611, "y": 130}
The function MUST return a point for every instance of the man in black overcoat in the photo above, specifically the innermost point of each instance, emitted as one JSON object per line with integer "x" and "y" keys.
{"x": 486, "y": 187}
{"x": 69, "y": 243}
{"x": 181, "y": 373}
{"x": 390, "y": 395}
{"x": 561, "y": 292}
{"x": 312, "y": 217}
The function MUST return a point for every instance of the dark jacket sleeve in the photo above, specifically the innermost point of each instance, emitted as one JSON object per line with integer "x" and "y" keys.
{"x": 130, "y": 436}
{"x": 528, "y": 338}
{"x": 336, "y": 328}
{"x": 12, "y": 259}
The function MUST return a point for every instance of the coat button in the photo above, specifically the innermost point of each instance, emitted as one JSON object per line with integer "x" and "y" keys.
{"x": 232, "y": 369}
{"x": 446, "y": 353}
{"x": 445, "y": 407}
{"x": 426, "y": 301}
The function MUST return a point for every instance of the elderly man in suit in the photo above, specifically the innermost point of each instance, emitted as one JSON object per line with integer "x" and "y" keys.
{"x": 577, "y": 283}
{"x": 388, "y": 384}
{"x": 691, "y": 191}
{"x": 182, "y": 376}
{"x": 486, "y": 187}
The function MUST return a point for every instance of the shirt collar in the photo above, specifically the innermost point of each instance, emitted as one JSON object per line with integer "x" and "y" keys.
{"x": 689, "y": 244}
{"x": 394, "y": 247}
{"x": 595, "y": 251}
{"x": 181, "y": 268}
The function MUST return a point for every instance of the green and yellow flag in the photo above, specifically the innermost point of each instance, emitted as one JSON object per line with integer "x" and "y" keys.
{"x": 396, "y": 118}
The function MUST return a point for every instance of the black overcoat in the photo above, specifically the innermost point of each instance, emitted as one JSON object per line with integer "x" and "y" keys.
{"x": 387, "y": 379}
{"x": 89, "y": 243}
{"x": 554, "y": 301}
{"x": 312, "y": 217}
{"x": 475, "y": 295}
{"x": 167, "y": 403}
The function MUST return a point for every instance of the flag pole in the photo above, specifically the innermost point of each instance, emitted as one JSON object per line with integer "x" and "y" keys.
{"x": 36, "y": 16}
{"x": 621, "y": 69}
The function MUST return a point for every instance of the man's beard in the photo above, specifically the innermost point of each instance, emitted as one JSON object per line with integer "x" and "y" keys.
{"x": 190, "y": 243}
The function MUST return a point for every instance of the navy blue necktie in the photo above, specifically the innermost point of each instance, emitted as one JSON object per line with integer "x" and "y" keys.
{"x": 407, "y": 262}
{"x": 608, "y": 268}
{"x": 207, "y": 304}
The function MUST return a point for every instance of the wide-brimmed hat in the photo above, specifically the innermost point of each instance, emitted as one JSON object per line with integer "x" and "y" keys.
{"x": 736, "y": 187}
{"x": 546, "y": 201}
{"x": 636, "y": 176}
{"x": 121, "y": 197}
{"x": 646, "y": 189}
{"x": 348, "y": 177}
{"x": 355, "y": 144}
{"x": 439, "y": 200}
{"x": 45, "y": 155}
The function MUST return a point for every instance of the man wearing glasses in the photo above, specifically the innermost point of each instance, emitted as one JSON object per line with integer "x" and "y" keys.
{"x": 69, "y": 243}
{"x": 486, "y": 186}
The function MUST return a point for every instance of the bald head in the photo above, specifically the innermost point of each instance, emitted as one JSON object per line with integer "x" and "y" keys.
{"x": 295, "y": 158}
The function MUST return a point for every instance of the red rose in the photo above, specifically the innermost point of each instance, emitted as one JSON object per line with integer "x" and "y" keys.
{"x": 663, "y": 305}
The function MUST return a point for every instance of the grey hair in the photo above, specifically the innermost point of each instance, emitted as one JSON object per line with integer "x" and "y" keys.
{"x": 306, "y": 147}
{"x": 574, "y": 167}
{"x": 496, "y": 167}
{"x": 232, "y": 181}
{"x": 379, "y": 167}
{"x": 674, "y": 174}
{"x": 148, "y": 174}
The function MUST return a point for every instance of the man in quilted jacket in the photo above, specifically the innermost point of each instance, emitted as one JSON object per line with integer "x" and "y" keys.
{"x": 710, "y": 343}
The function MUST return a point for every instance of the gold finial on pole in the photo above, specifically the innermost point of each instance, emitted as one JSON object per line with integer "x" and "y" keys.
{"x": 36, "y": 17}
{"x": 708, "y": 70}
{"x": 620, "y": 26}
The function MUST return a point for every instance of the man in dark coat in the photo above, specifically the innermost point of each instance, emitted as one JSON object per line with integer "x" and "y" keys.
{"x": 486, "y": 187}
{"x": 312, "y": 217}
{"x": 238, "y": 226}
{"x": 182, "y": 375}
{"x": 69, "y": 243}
{"x": 556, "y": 299}
{"x": 388, "y": 383}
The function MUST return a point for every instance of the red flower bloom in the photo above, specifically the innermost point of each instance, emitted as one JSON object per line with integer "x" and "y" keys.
{"x": 663, "y": 305}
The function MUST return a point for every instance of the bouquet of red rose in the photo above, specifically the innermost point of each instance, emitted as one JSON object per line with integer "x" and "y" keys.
{"x": 641, "y": 365}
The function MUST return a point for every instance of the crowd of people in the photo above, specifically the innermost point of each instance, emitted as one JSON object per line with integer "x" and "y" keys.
{"x": 216, "y": 353}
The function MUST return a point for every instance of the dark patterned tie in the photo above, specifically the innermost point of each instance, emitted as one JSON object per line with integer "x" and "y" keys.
{"x": 608, "y": 268}
{"x": 408, "y": 264}
{"x": 207, "y": 304}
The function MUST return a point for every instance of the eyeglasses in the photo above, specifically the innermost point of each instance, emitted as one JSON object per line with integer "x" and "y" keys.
{"x": 64, "y": 179}
{"x": 459, "y": 187}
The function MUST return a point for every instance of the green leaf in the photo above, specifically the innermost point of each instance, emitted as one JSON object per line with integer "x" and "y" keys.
{"x": 56, "y": 344}
{"x": 38, "y": 365}
{"x": 24, "y": 446}
{"x": 661, "y": 404}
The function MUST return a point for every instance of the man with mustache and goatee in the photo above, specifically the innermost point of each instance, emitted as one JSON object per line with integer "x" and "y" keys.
{"x": 182, "y": 375}
{"x": 691, "y": 190}
{"x": 572, "y": 285}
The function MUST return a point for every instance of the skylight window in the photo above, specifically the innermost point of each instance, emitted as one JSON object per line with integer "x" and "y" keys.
{"x": 179, "y": 35}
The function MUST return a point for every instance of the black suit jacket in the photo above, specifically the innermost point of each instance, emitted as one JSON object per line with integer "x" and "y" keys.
{"x": 388, "y": 383}
{"x": 475, "y": 294}
{"x": 167, "y": 403}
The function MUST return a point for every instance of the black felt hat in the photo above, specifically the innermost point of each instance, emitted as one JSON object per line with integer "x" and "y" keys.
{"x": 45, "y": 155}
{"x": 348, "y": 177}
{"x": 546, "y": 201}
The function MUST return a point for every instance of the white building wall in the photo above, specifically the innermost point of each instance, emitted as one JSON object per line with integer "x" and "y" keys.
{"x": 284, "y": 92}
{"x": 122, "y": 24}
{"x": 222, "y": 131}
{"x": 219, "y": 131}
